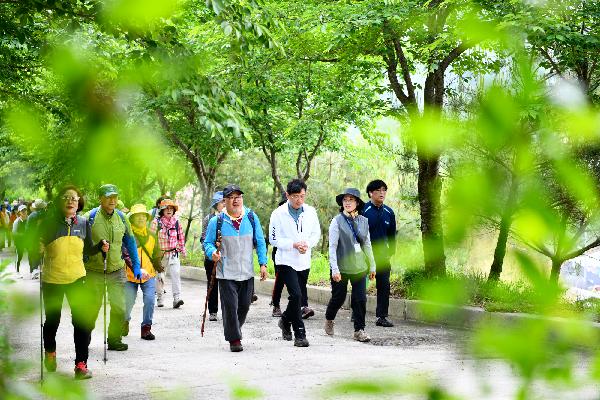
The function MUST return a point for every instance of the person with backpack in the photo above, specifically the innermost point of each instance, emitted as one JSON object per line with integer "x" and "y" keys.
{"x": 107, "y": 222}
{"x": 216, "y": 206}
{"x": 350, "y": 259}
{"x": 382, "y": 229}
{"x": 67, "y": 238}
{"x": 294, "y": 229}
{"x": 230, "y": 239}
{"x": 19, "y": 229}
{"x": 172, "y": 246}
{"x": 149, "y": 255}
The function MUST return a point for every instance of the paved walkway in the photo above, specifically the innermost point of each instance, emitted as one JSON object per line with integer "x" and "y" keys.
{"x": 203, "y": 368}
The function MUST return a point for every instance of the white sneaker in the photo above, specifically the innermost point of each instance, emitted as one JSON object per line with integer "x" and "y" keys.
{"x": 160, "y": 302}
{"x": 35, "y": 274}
{"x": 361, "y": 336}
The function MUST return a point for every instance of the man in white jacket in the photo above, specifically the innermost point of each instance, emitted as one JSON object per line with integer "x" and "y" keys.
{"x": 294, "y": 229}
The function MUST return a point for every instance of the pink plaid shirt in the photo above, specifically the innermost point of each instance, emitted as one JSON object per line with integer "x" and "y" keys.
{"x": 167, "y": 237}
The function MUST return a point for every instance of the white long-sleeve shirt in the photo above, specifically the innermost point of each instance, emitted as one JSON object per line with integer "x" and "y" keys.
{"x": 284, "y": 231}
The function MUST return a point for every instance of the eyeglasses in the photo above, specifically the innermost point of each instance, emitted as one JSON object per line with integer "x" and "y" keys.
{"x": 69, "y": 198}
{"x": 234, "y": 198}
{"x": 297, "y": 196}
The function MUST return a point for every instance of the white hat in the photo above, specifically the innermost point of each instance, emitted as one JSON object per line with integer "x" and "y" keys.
{"x": 38, "y": 204}
{"x": 21, "y": 208}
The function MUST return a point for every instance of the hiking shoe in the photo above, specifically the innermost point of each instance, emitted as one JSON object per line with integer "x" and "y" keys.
{"x": 160, "y": 302}
{"x": 146, "y": 334}
{"x": 177, "y": 303}
{"x": 254, "y": 297}
{"x": 307, "y": 312}
{"x": 125, "y": 329}
{"x": 277, "y": 312}
{"x": 361, "y": 336}
{"x": 35, "y": 274}
{"x": 329, "y": 327}
{"x": 82, "y": 371}
{"x": 212, "y": 316}
{"x": 300, "y": 342}
{"x": 383, "y": 321}
{"x": 50, "y": 361}
{"x": 117, "y": 345}
{"x": 286, "y": 330}
{"x": 236, "y": 346}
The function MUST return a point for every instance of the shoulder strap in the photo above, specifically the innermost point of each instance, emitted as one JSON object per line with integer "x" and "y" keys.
{"x": 92, "y": 217}
{"x": 177, "y": 229}
{"x": 251, "y": 218}
{"x": 122, "y": 217}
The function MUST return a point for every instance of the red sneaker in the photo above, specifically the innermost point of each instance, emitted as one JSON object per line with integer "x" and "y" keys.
{"x": 235, "y": 346}
{"x": 82, "y": 371}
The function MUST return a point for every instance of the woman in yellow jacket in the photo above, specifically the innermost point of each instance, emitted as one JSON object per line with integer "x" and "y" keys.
{"x": 148, "y": 253}
{"x": 67, "y": 238}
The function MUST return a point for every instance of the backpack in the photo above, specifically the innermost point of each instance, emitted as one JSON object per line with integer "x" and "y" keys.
{"x": 160, "y": 225}
{"x": 94, "y": 211}
{"x": 92, "y": 217}
{"x": 220, "y": 225}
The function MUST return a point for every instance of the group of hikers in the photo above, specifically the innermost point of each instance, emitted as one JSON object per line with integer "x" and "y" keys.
{"x": 106, "y": 252}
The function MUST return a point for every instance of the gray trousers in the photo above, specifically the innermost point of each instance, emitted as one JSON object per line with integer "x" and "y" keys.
{"x": 115, "y": 288}
{"x": 236, "y": 297}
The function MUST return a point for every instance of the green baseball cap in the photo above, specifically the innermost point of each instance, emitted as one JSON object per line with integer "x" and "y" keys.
{"x": 108, "y": 190}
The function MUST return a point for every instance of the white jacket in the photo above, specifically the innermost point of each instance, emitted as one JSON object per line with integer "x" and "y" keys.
{"x": 284, "y": 232}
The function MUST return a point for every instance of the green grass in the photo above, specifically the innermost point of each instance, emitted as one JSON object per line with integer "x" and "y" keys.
{"x": 472, "y": 289}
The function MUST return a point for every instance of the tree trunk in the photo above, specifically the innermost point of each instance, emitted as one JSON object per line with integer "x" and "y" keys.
{"x": 555, "y": 272}
{"x": 500, "y": 251}
{"x": 429, "y": 192}
{"x": 48, "y": 190}
{"x": 189, "y": 219}
{"x": 505, "y": 224}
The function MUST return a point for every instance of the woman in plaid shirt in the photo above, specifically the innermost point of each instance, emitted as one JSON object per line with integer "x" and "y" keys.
{"x": 172, "y": 245}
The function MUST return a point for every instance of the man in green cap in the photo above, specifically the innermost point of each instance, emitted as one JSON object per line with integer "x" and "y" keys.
{"x": 108, "y": 223}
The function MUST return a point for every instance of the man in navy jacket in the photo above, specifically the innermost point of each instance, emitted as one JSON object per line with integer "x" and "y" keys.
{"x": 382, "y": 228}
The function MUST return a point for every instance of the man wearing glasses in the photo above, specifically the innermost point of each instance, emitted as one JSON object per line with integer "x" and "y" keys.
{"x": 294, "y": 229}
{"x": 382, "y": 228}
{"x": 229, "y": 242}
{"x": 109, "y": 224}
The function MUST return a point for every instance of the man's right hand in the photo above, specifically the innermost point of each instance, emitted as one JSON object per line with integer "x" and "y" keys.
{"x": 336, "y": 277}
{"x": 105, "y": 246}
{"x": 216, "y": 256}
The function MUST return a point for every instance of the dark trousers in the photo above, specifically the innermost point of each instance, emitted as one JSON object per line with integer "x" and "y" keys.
{"x": 358, "y": 299}
{"x": 115, "y": 288}
{"x": 279, "y": 283}
{"x": 78, "y": 298}
{"x": 382, "y": 280}
{"x": 213, "y": 300}
{"x": 236, "y": 297}
{"x": 20, "y": 253}
{"x": 35, "y": 258}
{"x": 293, "y": 314}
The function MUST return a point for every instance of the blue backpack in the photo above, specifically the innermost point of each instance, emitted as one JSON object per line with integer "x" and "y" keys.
{"x": 220, "y": 225}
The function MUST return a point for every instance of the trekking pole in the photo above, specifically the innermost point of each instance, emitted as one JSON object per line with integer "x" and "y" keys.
{"x": 213, "y": 279}
{"x": 41, "y": 324}
{"x": 104, "y": 302}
